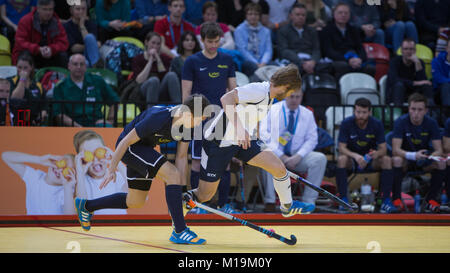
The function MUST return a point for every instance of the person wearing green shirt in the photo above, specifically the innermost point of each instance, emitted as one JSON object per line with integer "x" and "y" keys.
{"x": 83, "y": 87}
{"x": 111, "y": 16}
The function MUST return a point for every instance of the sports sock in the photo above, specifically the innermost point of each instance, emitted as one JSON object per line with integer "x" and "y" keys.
{"x": 341, "y": 181}
{"x": 283, "y": 188}
{"x": 195, "y": 177}
{"x": 386, "y": 181}
{"x": 224, "y": 189}
{"x": 397, "y": 184}
{"x": 174, "y": 203}
{"x": 113, "y": 201}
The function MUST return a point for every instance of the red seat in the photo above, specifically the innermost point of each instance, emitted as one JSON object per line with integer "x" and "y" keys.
{"x": 380, "y": 54}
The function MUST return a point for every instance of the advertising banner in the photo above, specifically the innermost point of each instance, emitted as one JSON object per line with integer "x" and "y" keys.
{"x": 42, "y": 169}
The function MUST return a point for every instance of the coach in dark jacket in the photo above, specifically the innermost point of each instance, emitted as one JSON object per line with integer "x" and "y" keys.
{"x": 342, "y": 44}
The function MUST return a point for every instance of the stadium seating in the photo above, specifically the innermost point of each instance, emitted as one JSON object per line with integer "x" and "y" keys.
{"x": 380, "y": 55}
{"x": 355, "y": 85}
{"x": 5, "y": 51}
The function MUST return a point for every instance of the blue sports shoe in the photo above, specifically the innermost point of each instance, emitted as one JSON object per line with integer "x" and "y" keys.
{"x": 388, "y": 207}
{"x": 186, "y": 237}
{"x": 84, "y": 216}
{"x": 297, "y": 207}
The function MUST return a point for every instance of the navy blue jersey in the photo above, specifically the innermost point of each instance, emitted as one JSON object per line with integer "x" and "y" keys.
{"x": 209, "y": 76}
{"x": 447, "y": 128}
{"x": 359, "y": 140}
{"x": 153, "y": 126}
{"x": 416, "y": 138}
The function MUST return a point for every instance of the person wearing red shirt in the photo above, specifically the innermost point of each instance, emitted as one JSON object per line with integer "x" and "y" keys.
{"x": 42, "y": 34}
{"x": 172, "y": 26}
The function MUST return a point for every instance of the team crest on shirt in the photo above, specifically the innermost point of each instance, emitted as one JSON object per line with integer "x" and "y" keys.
{"x": 213, "y": 74}
{"x": 416, "y": 141}
{"x": 361, "y": 143}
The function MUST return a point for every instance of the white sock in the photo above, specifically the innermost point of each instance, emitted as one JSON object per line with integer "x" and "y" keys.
{"x": 283, "y": 188}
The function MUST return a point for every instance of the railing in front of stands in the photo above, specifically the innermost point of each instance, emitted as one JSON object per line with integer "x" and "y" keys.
{"x": 99, "y": 114}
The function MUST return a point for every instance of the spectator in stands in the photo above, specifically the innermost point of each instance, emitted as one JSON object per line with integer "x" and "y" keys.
{"x": 172, "y": 26}
{"x": 26, "y": 91}
{"x": 112, "y": 15}
{"x": 187, "y": 46}
{"x": 294, "y": 144}
{"x": 441, "y": 43}
{"x": 362, "y": 148}
{"x": 316, "y": 13}
{"x": 407, "y": 75}
{"x": 202, "y": 71}
{"x": 42, "y": 34}
{"x": 416, "y": 136}
{"x": 10, "y": 14}
{"x": 194, "y": 11}
{"x": 82, "y": 33}
{"x": 150, "y": 11}
{"x": 431, "y": 18}
{"x": 366, "y": 18}
{"x": 151, "y": 71}
{"x": 210, "y": 13}
{"x": 253, "y": 41}
{"x": 440, "y": 67}
{"x": 232, "y": 12}
{"x": 298, "y": 42}
{"x": 82, "y": 89}
{"x": 397, "y": 23}
{"x": 341, "y": 42}
{"x": 279, "y": 13}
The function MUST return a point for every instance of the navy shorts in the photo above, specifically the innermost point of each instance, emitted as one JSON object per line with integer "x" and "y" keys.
{"x": 215, "y": 159}
{"x": 143, "y": 163}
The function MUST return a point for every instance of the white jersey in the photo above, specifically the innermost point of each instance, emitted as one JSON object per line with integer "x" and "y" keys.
{"x": 93, "y": 191}
{"x": 253, "y": 105}
{"x": 42, "y": 198}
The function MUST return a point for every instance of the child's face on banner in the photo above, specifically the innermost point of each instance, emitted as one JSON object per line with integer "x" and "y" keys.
{"x": 99, "y": 165}
{"x": 57, "y": 175}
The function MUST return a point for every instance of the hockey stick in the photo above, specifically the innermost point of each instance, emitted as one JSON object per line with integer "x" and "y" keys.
{"x": 241, "y": 184}
{"x": 322, "y": 191}
{"x": 269, "y": 233}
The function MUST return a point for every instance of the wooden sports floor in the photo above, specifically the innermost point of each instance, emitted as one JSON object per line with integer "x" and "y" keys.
{"x": 227, "y": 239}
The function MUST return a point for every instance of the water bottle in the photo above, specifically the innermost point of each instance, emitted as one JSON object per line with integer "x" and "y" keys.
{"x": 366, "y": 197}
{"x": 367, "y": 158}
{"x": 417, "y": 202}
{"x": 444, "y": 198}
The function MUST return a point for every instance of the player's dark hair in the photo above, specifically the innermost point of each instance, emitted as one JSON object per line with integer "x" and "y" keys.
{"x": 287, "y": 75}
{"x": 210, "y": 30}
{"x": 209, "y": 4}
{"x": 45, "y": 2}
{"x": 195, "y": 100}
{"x": 417, "y": 97}
{"x": 364, "y": 103}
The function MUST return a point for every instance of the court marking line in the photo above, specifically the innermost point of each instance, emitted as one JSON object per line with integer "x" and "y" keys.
{"x": 117, "y": 240}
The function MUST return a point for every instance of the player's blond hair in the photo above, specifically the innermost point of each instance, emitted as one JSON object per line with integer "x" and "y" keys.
{"x": 288, "y": 75}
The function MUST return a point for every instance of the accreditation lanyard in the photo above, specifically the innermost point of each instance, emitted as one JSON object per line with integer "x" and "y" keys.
{"x": 172, "y": 34}
{"x": 286, "y": 122}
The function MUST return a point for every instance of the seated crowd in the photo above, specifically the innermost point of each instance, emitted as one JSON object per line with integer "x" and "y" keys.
{"x": 142, "y": 46}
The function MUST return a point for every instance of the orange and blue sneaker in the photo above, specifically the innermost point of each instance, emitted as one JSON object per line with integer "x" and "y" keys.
{"x": 84, "y": 216}
{"x": 398, "y": 203}
{"x": 186, "y": 237}
{"x": 297, "y": 207}
{"x": 432, "y": 206}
